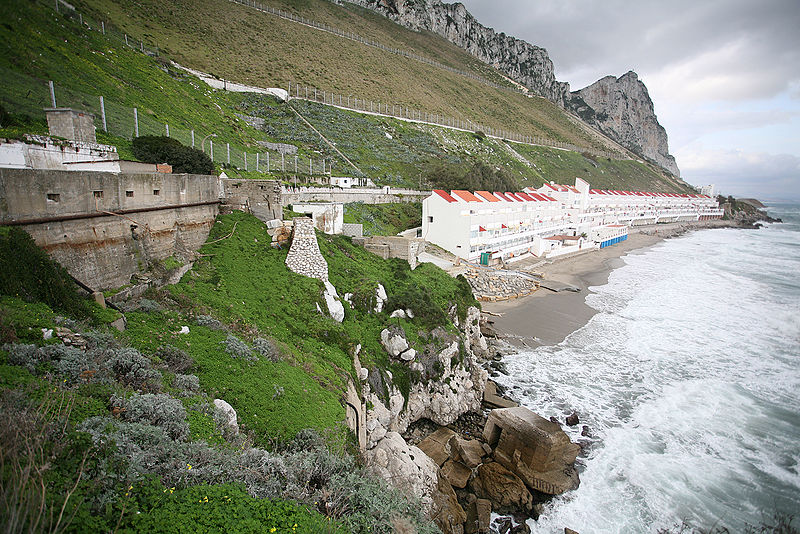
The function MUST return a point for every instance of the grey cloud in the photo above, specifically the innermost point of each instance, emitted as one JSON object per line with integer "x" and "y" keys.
{"x": 744, "y": 174}
{"x": 588, "y": 40}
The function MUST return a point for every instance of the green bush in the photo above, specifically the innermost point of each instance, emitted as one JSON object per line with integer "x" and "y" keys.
{"x": 161, "y": 149}
{"x": 27, "y": 272}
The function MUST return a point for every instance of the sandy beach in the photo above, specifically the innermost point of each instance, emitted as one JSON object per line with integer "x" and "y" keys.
{"x": 547, "y": 317}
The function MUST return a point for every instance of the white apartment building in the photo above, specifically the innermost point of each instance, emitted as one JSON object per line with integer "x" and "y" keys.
{"x": 485, "y": 226}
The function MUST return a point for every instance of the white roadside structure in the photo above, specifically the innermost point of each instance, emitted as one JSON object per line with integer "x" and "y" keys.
{"x": 550, "y": 221}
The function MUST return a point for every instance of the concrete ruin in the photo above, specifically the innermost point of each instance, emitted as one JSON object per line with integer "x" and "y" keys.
{"x": 533, "y": 448}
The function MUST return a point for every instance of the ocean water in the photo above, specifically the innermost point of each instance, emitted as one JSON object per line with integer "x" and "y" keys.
{"x": 688, "y": 378}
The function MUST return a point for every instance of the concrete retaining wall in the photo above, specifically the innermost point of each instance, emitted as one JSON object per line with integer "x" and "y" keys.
{"x": 105, "y": 227}
{"x": 262, "y": 198}
{"x": 367, "y": 196}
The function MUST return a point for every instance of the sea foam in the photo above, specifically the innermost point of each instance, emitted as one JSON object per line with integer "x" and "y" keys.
{"x": 689, "y": 380}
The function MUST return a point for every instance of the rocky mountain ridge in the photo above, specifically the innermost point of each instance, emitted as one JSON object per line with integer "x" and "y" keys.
{"x": 523, "y": 62}
{"x": 620, "y": 108}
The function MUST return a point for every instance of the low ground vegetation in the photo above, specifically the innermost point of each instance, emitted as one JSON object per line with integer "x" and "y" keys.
{"x": 122, "y": 433}
{"x": 384, "y": 219}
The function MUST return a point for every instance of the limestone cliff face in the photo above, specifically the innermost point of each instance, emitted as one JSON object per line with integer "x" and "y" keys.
{"x": 621, "y": 108}
{"x": 523, "y": 62}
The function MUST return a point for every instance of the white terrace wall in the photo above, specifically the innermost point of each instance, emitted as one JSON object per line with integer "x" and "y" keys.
{"x": 335, "y": 194}
{"x": 105, "y": 227}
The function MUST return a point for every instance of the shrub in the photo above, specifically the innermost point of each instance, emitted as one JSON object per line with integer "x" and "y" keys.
{"x": 148, "y": 306}
{"x": 267, "y": 349}
{"x": 100, "y": 340}
{"x": 26, "y": 355}
{"x": 159, "y": 410}
{"x": 175, "y": 359}
{"x": 208, "y": 322}
{"x": 238, "y": 348}
{"x": 161, "y": 149}
{"x": 132, "y": 369}
{"x": 77, "y": 366}
{"x": 186, "y": 384}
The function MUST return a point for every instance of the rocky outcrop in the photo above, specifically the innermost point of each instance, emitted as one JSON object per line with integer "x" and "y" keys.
{"x": 404, "y": 466}
{"x": 448, "y": 383}
{"x": 621, "y": 108}
{"x": 523, "y": 62}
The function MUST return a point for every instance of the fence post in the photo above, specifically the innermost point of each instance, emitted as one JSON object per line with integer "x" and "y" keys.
{"x": 245, "y": 161}
{"x": 295, "y": 164}
{"x": 166, "y": 126}
{"x": 228, "y": 150}
{"x": 310, "y": 168}
{"x": 193, "y": 140}
{"x": 52, "y": 89}
{"x": 136, "y": 122}
{"x": 56, "y": 12}
{"x": 212, "y": 149}
{"x": 103, "y": 113}
{"x": 283, "y": 166}
{"x": 257, "y": 162}
{"x": 267, "y": 161}
{"x": 103, "y": 27}
{"x": 126, "y": 39}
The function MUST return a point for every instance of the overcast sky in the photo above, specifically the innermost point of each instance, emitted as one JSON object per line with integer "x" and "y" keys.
{"x": 724, "y": 75}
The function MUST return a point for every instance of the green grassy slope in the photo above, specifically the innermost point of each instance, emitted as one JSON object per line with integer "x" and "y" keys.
{"x": 39, "y": 45}
{"x": 242, "y": 44}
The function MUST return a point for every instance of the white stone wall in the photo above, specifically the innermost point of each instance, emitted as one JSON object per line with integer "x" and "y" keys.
{"x": 304, "y": 255}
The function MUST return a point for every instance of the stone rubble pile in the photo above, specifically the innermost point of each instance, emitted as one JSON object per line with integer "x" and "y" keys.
{"x": 304, "y": 256}
{"x": 496, "y": 285}
{"x": 518, "y": 462}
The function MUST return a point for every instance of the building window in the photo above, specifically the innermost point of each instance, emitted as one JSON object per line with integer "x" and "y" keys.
{"x": 53, "y": 197}
{"x": 97, "y": 194}
{"x": 430, "y": 218}
{"x": 156, "y": 192}
{"x": 129, "y": 194}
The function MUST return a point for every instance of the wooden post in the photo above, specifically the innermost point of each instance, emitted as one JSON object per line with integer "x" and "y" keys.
{"x": 103, "y": 113}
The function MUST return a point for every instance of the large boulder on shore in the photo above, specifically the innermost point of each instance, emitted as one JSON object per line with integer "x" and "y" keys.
{"x": 448, "y": 515}
{"x": 535, "y": 449}
{"x": 503, "y": 488}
